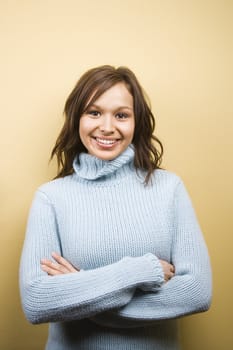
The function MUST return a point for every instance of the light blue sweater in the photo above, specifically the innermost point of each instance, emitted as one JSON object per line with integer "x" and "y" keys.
{"x": 104, "y": 220}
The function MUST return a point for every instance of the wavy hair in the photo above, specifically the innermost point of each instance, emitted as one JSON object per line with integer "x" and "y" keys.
{"x": 91, "y": 85}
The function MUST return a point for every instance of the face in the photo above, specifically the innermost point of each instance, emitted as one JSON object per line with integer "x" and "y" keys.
{"x": 107, "y": 127}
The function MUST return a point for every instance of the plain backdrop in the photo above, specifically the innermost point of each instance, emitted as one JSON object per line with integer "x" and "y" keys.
{"x": 182, "y": 53}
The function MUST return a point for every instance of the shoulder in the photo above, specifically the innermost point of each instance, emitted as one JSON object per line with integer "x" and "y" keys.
{"x": 171, "y": 184}
{"x": 165, "y": 178}
{"x": 169, "y": 187}
{"x": 167, "y": 183}
{"x": 55, "y": 187}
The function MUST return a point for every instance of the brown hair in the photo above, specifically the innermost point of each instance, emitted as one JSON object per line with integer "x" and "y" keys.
{"x": 92, "y": 84}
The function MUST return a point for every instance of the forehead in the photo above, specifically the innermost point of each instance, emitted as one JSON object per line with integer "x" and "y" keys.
{"x": 117, "y": 95}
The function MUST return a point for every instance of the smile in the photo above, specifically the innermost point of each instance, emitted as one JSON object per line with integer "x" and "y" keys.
{"x": 106, "y": 141}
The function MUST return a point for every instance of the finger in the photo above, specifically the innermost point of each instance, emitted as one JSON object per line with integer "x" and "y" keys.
{"x": 54, "y": 266}
{"x": 50, "y": 271}
{"x": 172, "y": 269}
{"x": 49, "y": 263}
{"x": 169, "y": 275}
{"x": 62, "y": 261}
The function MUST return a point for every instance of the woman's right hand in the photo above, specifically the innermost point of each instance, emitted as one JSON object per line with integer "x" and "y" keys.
{"x": 61, "y": 266}
{"x": 168, "y": 270}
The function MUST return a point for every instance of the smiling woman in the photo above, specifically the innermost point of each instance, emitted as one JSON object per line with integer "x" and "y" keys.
{"x": 113, "y": 252}
{"x": 106, "y": 128}
{"x": 113, "y": 89}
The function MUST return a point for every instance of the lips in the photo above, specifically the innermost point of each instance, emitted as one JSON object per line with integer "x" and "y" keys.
{"x": 106, "y": 141}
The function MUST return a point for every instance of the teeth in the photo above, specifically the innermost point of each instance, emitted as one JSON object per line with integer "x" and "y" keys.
{"x": 106, "y": 142}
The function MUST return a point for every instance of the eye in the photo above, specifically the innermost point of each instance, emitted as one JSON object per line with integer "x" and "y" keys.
{"x": 121, "y": 116}
{"x": 93, "y": 113}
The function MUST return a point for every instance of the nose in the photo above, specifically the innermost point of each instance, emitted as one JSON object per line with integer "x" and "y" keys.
{"x": 107, "y": 125}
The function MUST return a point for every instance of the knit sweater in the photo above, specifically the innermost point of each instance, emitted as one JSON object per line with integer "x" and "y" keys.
{"x": 106, "y": 222}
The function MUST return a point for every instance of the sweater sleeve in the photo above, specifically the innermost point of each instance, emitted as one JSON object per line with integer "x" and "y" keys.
{"x": 188, "y": 292}
{"x": 75, "y": 295}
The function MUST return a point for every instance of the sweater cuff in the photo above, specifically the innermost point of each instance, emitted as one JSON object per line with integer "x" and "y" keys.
{"x": 144, "y": 272}
{"x": 157, "y": 274}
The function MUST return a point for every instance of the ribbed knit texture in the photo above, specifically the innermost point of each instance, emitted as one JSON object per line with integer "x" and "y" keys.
{"x": 105, "y": 221}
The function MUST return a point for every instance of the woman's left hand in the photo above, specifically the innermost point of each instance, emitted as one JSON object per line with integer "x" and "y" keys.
{"x": 60, "y": 267}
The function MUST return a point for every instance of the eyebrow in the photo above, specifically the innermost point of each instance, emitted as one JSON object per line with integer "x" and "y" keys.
{"x": 120, "y": 107}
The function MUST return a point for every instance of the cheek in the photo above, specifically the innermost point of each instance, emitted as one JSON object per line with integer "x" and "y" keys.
{"x": 83, "y": 131}
{"x": 84, "y": 127}
{"x": 129, "y": 130}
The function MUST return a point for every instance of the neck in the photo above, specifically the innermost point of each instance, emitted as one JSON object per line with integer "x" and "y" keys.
{"x": 90, "y": 168}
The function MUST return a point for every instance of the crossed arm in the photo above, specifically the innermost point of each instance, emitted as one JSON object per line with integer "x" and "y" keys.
{"x": 132, "y": 289}
{"x": 62, "y": 266}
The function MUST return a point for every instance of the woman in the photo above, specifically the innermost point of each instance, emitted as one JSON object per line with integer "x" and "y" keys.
{"x": 128, "y": 256}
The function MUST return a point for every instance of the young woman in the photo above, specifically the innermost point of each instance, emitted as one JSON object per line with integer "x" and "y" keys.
{"x": 113, "y": 252}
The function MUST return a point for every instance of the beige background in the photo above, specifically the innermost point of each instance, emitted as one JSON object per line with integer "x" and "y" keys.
{"x": 182, "y": 53}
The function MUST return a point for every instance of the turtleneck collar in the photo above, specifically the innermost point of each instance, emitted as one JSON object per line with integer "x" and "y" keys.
{"x": 89, "y": 167}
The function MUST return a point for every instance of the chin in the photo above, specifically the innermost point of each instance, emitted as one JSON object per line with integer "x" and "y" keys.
{"x": 106, "y": 155}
